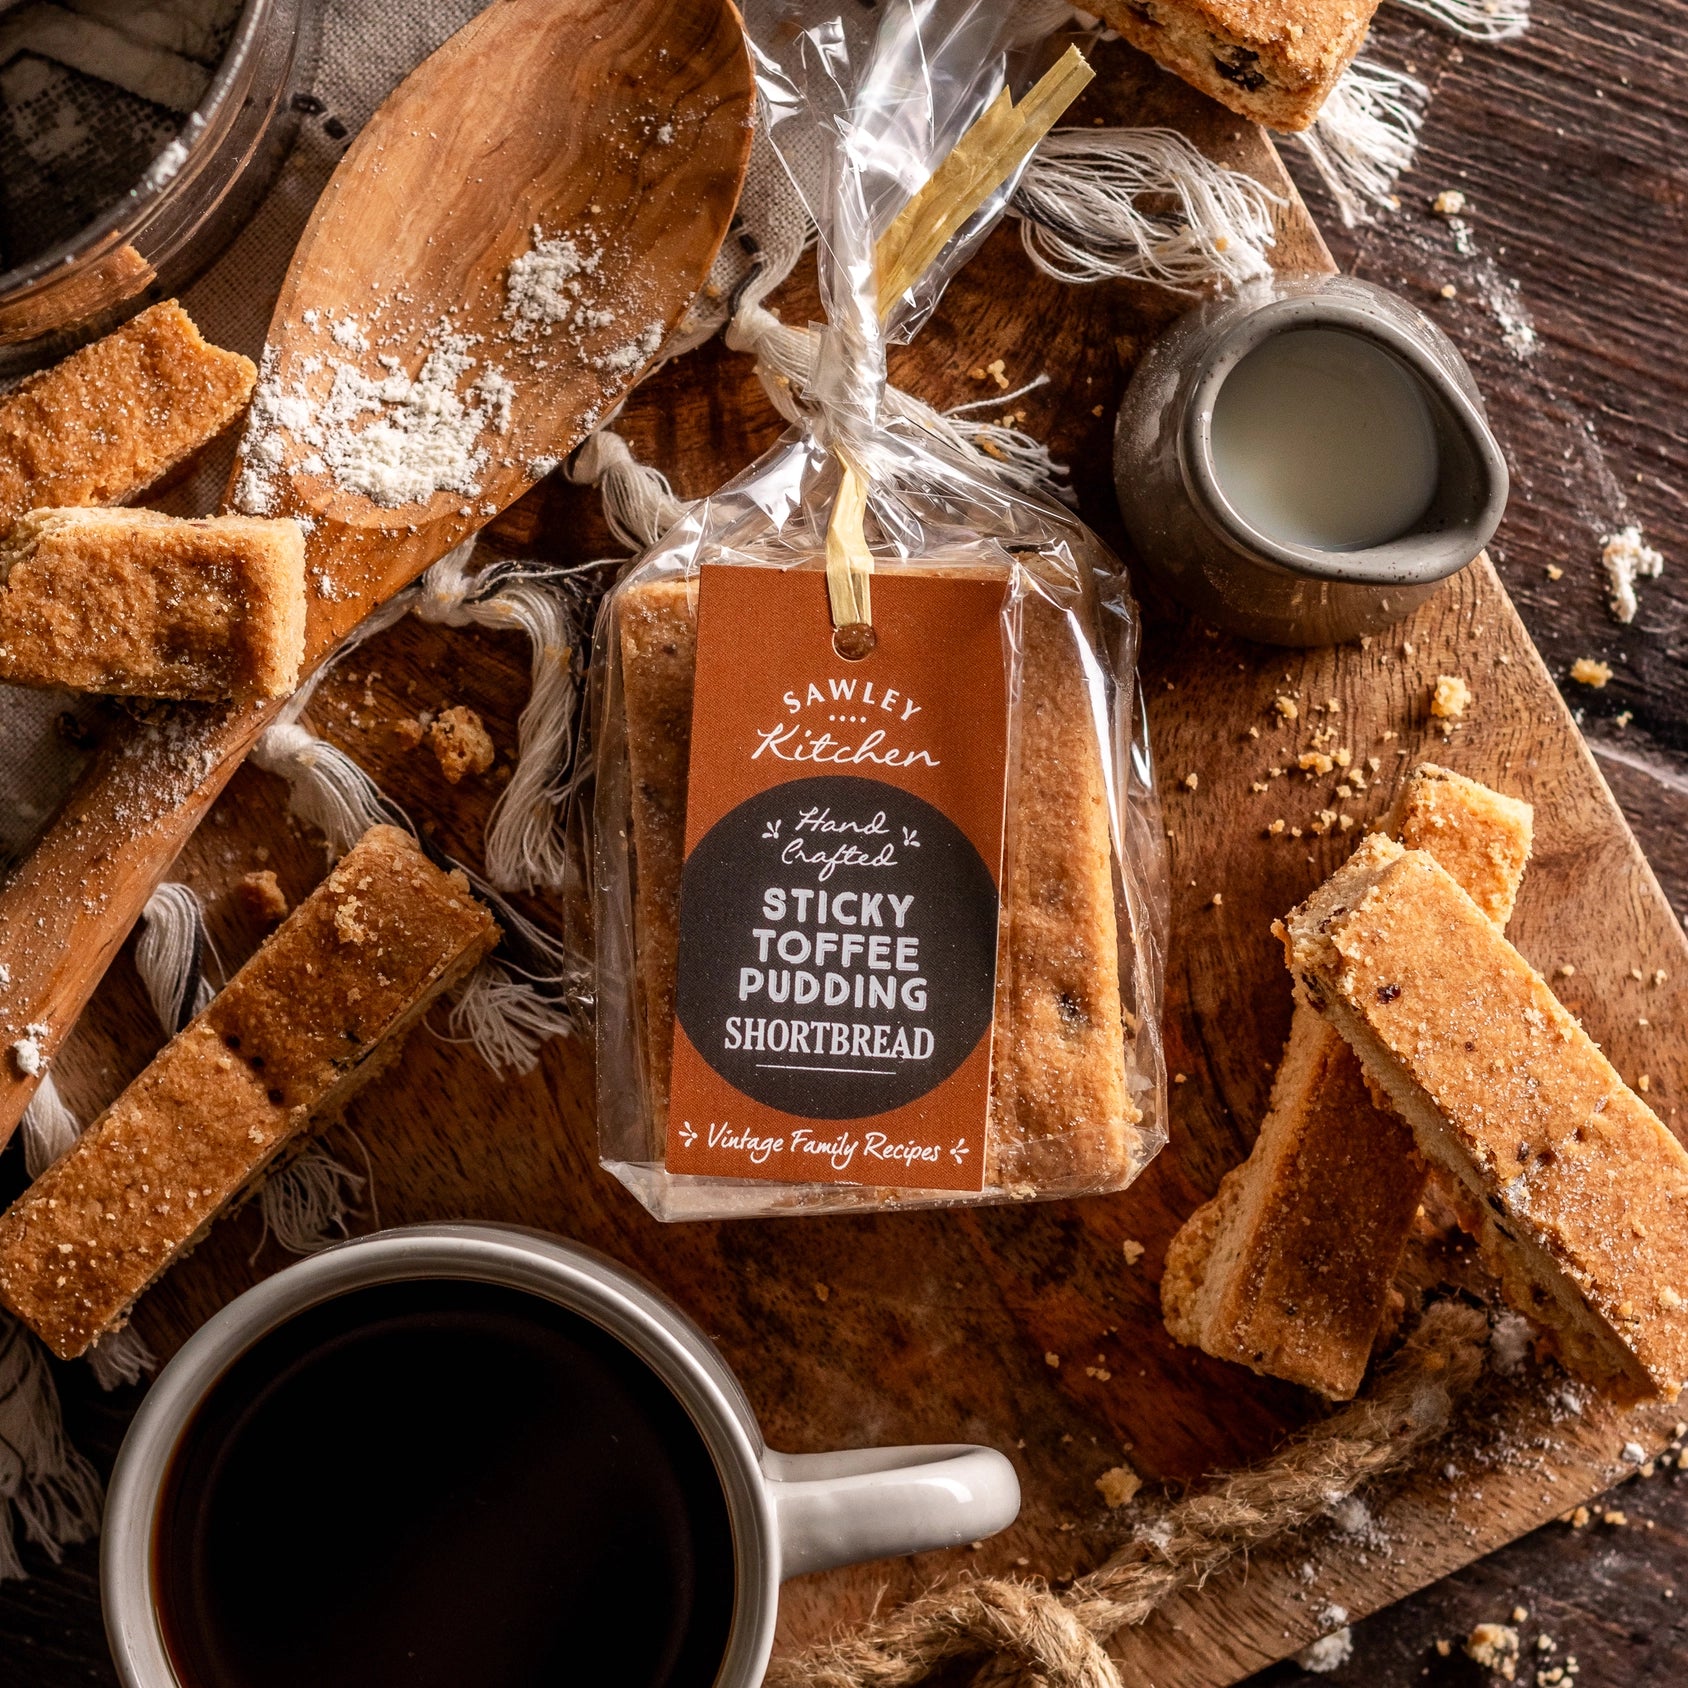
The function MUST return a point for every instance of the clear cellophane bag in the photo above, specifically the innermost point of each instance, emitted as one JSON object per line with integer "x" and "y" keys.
{"x": 1077, "y": 1105}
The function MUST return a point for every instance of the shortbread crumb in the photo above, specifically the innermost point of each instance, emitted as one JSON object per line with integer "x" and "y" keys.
{"x": 1450, "y": 698}
{"x": 1494, "y": 1647}
{"x": 461, "y": 743}
{"x": 1119, "y": 1486}
{"x": 262, "y": 897}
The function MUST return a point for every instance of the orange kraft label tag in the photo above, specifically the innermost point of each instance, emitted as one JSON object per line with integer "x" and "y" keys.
{"x": 840, "y": 893}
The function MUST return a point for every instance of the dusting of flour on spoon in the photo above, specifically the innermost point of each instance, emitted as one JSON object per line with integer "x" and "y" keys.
{"x": 398, "y": 439}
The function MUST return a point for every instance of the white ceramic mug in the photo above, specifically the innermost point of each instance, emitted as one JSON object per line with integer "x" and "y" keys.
{"x": 790, "y": 1513}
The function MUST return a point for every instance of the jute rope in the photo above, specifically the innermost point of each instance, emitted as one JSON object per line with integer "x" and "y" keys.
{"x": 1018, "y": 1630}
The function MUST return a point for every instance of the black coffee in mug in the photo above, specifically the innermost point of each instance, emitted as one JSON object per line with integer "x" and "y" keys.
{"x": 438, "y": 1484}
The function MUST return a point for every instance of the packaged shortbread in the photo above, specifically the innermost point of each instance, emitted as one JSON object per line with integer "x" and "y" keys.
{"x": 879, "y": 890}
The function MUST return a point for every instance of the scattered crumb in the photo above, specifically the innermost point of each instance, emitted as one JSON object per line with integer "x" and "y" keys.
{"x": 1448, "y": 290}
{"x": 1627, "y": 558}
{"x": 822, "y": 1293}
{"x": 1566, "y": 969}
{"x": 461, "y": 743}
{"x": 1450, "y": 202}
{"x": 1334, "y": 1648}
{"x": 409, "y": 733}
{"x": 1587, "y": 671}
{"x": 262, "y": 897}
{"x": 1315, "y": 762}
{"x": 1450, "y": 698}
{"x": 1520, "y": 1614}
{"x": 1052, "y": 1360}
{"x": 1132, "y": 1250}
{"x": 1119, "y": 1485}
{"x": 1494, "y": 1647}
{"x": 1579, "y": 1517}
{"x": 1192, "y": 781}
{"x": 1614, "y": 1518}
{"x": 1554, "y": 572}
{"x": 1286, "y": 708}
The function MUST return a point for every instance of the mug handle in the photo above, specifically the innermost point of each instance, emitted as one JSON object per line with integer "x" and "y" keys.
{"x": 873, "y": 1503}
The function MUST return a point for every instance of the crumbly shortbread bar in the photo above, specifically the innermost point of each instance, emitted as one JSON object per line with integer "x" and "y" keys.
{"x": 319, "y": 1009}
{"x": 133, "y": 602}
{"x": 1275, "y": 63}
{"x": 114, "y": 417}
{"x": 1061, "y": 1111}
{"x": 1582, "y": 1192}
{"x": 1287, "y": 1270}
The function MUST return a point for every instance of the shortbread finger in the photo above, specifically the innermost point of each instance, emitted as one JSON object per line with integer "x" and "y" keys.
{"x": 131, "y": 602}
{"x": 316, "y": 1012}
{"x": 116, "y": 416}
{"x": 1276, "y": 64}
{"x": 1582, "y": 1191}
{"x": 1288, "y": 1269}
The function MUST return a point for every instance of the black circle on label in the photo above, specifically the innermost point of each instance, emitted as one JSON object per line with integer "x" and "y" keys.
{"x": 850, "y": 1006}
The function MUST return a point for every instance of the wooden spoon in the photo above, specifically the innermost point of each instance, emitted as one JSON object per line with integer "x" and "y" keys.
{"x": 621, "y": 126}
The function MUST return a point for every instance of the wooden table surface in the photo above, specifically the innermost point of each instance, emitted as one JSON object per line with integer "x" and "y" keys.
{"x": 1572, "y": 150}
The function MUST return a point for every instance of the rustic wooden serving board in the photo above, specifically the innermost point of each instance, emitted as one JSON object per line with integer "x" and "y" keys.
{"x": 918, "y": 1327}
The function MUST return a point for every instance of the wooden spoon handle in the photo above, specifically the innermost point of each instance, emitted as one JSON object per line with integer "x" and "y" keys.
{"x": 67, "y": 909}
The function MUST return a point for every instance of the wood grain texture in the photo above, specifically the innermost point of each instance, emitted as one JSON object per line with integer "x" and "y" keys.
{"x": 634, "y": 125}
{"x": 956, "y": 1347}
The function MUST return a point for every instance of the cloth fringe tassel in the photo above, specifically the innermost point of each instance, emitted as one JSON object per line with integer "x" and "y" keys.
{"x": 524, "y": 993}
{"x": 46, "y": 1486}
{"x": 306, "y": 1204}
{"x": 639, "y": 504}
{"x": 1013, "y": 1629}
{"x": 1082, "y": 219}
{"x": 1476, "y": 20}
{"x": 170, "y": 955}
{"x": 1365, "y": 136}
{"x": 525, "y": 843}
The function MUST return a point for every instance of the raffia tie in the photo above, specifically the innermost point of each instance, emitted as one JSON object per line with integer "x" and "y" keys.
{"x": 1018, "y": 1628}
